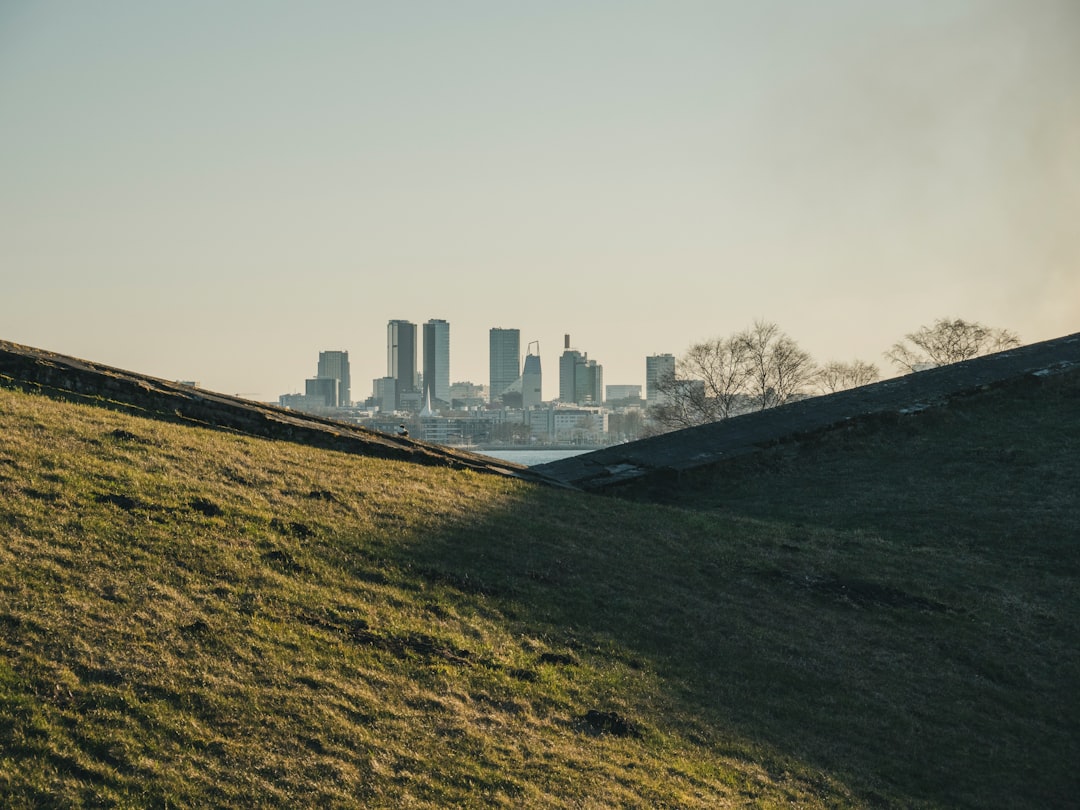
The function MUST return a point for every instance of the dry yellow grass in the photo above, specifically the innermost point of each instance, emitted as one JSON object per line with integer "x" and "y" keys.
{"x": 190, "y": 618}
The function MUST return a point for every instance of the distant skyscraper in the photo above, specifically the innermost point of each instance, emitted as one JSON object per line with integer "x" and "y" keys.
{"x": 401, "y": 356}
{"x": 531, "y": 380}
{"x": 589, "y": 382}
{"x": 581, "y": 380}
{"x": 568, "y": 361}
{"x": 335, "y": 365}
{"x": 504, "y": 360}
{"x": 657, "y": 367}
{"x": 437, "y": 363}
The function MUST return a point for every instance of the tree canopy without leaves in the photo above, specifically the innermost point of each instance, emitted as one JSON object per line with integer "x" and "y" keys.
{"x": 779, "y": 371}
{"x": 835, "y": 376}
{"x": 758, "y": 368}
{"x": 949, "y": 341}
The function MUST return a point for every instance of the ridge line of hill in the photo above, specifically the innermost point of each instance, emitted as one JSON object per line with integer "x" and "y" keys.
{"x": 71, "y": 378}
{"x": 669, "y": 454}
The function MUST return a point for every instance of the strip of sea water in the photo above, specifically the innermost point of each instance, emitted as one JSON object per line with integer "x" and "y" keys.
{"x": 532, "y": 458}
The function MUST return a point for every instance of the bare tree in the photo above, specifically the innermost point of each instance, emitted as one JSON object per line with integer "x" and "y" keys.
{"x": 626, "y": 425}
{"x": 708, "y": 382}
{"x": 778, "y": 370}
{"x": 715, "y": 379}
{"x": 949, "y": 341}
{"x": 722, "y": 365}
{"x": 682, "y": 403}
{"x": 836, "y": 376}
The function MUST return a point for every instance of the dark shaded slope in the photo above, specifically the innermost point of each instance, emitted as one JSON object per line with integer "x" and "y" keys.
{"x": 664, "y": 458}
{"x": 996, "y": 469}
{"x": 74, "y": 379}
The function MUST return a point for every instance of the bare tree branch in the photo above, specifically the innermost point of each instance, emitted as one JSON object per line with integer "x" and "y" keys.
{"x": 715, "y": 379}
{"x": 683, "y": 403}
{"x": 949, "y": 341}
{"x": 722, "y": 365}
{"x": 779, "y": 370}
{"x": 836, "y": 376}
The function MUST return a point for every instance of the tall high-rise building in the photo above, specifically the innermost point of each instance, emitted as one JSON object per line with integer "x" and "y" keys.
{"x": 504, "y": 360}
{"x": 437, "y": 363}
{"x": 401, "y": 356}
{"x": 335, "y": 365}
{"x": 589, "y": 382}
{"x": 568, "y": 361}
{"x": 531, "y": 380}
{"x": 581, "y": 380}
{"x": 657, "y": 367}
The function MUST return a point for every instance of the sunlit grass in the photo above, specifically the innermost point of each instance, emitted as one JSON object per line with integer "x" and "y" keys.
{"x": 192, "y": 618}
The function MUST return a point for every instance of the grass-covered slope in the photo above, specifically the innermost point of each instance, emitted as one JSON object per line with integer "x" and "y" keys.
{"x": 190, "y": 618}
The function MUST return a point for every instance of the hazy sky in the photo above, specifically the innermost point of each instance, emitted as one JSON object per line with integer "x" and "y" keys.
{"x": 219, "y": 190}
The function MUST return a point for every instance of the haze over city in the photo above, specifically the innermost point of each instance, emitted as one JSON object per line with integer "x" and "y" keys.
{"x": 217, "y": 192}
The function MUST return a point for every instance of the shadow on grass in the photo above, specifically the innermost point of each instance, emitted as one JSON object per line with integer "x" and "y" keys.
{"x": 925, "y": 661}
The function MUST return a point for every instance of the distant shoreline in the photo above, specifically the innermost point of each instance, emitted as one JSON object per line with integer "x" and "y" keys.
{"x": 584, "y": 448}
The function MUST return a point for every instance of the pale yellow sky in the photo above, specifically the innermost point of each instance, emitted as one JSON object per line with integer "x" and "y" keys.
{"x": 219, "y": 191}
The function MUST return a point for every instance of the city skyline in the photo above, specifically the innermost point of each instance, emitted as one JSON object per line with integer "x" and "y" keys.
{"x": 185, "y": 184}
{"x": 510, "y": 371}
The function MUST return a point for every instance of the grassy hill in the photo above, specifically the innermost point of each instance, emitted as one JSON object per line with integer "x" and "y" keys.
{"x": 885, "y": 617}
